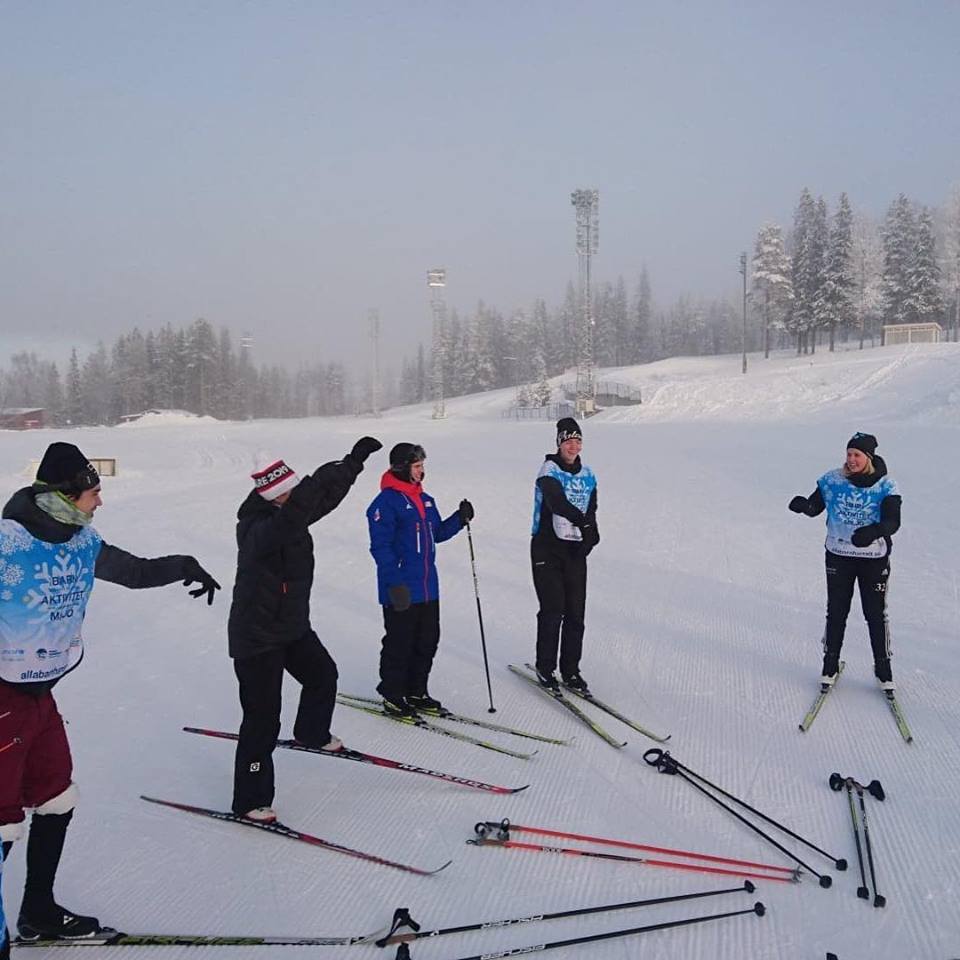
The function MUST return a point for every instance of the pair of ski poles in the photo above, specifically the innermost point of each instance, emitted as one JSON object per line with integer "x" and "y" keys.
{"x": 874, "y": 788}
{"x": 665, "y": 763}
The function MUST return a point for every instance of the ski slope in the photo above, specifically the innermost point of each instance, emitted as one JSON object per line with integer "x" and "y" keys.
{"x": 705, "y": 609}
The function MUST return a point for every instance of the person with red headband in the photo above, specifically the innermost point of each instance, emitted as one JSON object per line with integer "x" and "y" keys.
{"x": 269, "y": 630}
{"x": 405, "y": 528}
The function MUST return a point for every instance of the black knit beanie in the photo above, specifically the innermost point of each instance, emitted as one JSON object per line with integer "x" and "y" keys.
{"x": 864, "y": 442}
{"x": 65, "y": 468}
{"x": 568, "y": 429}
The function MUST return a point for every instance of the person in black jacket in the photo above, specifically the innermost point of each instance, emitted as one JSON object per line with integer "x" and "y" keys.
{"x": 564, "y": 533}
{"x": 863, "y": 513}
{"x": 50, "y": 556}
{"x": 269, "y": 627}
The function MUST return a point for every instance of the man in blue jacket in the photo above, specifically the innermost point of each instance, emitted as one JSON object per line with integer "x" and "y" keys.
{"x": 405, "y": 527}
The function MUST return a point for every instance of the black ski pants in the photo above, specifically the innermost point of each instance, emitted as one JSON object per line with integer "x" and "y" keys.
{"x": 560, "y": 579}
{"x": 409, "y": 646}
{"x": 261, "y": 685}
{"x": 871, "y": 575}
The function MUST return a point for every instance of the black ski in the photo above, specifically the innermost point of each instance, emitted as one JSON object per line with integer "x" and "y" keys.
{"x": 556, "y": 695}
{"x": 360, "y": 757}
{"x": 445, "y": 714}
{"x": 281, "y": 830}
{"x": 114, "y": 938}
{"x": 423, "y": 724}
{"x": 600, "y": 705}
{"x": 897, "y": 712}
{"x": 811, "y": 715}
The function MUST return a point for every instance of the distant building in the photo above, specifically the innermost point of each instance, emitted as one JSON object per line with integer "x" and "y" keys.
{"x": 22, "y": 418}
{"x": 894, "y": 333}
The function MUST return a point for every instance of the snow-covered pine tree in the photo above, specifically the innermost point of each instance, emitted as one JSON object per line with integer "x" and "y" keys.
{"x": 839, "y": 283}
{"x": 925, "y": 298}
{"x": 772, "y": 287}
{"x": 899, "y": 245}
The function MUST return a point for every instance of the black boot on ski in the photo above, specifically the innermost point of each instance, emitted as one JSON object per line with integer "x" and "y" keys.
{"x": 548, "y": 680}
{"x": 399, "y": 707}
{"x": 576, "y": 682}
{"x": 56, "y": 923}
{"x": 424, "y": 703}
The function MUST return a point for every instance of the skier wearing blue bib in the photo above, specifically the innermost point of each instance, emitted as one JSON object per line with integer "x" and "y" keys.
{"x": 564, "y": 533}
{"x": 50, "y": 556}
{"x": 863, "y": 513}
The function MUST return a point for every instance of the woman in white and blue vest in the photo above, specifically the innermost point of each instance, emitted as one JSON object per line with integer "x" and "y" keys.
{"x": 564, "y": 533}
{"x": 863, "y": 513}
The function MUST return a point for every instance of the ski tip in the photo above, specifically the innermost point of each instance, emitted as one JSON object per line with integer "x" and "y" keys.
{"x": 430, "y": 873}
{"x": 526, "y": 786}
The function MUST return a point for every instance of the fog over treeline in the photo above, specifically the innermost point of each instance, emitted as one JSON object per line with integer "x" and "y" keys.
{"x": 833, "y": 275}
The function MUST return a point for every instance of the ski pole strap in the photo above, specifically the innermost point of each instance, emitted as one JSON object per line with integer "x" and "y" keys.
{"x": 662, "y": 760}
{"x": 401, "y": 918}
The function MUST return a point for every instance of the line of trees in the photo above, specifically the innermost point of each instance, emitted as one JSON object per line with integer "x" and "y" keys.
{"x": 194, "y": 368}
{"x": 831, "y": 275}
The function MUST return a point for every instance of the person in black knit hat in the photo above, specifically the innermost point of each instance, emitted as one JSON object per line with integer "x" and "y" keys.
{"x": 51, "y": 556}
{"x": 863, "y": 513}
{"x": 564, "y": 533}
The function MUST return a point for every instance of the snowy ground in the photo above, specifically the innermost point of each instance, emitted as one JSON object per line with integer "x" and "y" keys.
{"x": 705, "y": 611}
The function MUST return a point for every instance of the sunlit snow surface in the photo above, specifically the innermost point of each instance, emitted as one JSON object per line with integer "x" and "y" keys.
{"x": 705, "y": 610}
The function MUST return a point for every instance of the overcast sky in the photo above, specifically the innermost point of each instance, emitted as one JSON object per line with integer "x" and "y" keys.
{"x": 281, "y": 167}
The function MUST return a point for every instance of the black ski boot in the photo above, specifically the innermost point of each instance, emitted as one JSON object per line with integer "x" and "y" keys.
{"x": 576, "y": 682}
{"x": 424, "y": 703}
{"x": 399, "y": 707}
{"x": 56, "y": 923}
{"x": 548, "y": 681}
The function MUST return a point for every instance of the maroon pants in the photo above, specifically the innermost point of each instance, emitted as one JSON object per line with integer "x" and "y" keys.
{"x": 35, "y": 763}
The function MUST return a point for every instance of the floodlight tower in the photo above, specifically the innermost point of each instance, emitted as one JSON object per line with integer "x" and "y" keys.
{"x": 587, "y": 206}
{"x": 373, "y": 317}
{"x": 437, "y": 281}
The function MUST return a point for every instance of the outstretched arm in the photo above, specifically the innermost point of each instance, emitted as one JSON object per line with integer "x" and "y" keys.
{"x": 810, "y": 506}
{"x": 117, "y": 566}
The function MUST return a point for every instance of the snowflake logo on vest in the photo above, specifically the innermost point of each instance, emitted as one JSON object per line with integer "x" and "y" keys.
{"x": 59, "y": 589}
{"x": 854, "y": 509}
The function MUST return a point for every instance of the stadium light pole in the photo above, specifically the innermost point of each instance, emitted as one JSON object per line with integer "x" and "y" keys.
{"x": 587, "y": 205}
{"x": 743, "y": 271}
{"x": 437, "y": 281}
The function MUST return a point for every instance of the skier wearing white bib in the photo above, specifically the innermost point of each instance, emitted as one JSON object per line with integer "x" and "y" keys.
{"x": 863, "y": 513}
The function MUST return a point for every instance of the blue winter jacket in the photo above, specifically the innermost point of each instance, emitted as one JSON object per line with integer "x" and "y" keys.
{"x": 404, "y": 543}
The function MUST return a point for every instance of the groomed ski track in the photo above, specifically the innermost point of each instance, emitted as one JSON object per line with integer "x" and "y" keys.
{"x": 705, "y": 608}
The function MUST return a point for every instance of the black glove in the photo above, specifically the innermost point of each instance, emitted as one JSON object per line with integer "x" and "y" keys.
{"x": 465, "y": 510}
{"x": 799, "y": 504}
{"x": 399, "y": 595}
{"x": 864, "y": 536}
{"x": 591, "y": 537}
{"x": 194, "y": 573}
{"x": 364, "y": 447}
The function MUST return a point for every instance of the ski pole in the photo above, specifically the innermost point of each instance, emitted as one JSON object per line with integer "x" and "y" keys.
{"x": 862, "y": 892}
{"x": 758, "y": 909}
{"x": 483, "y": 639}
{"x": 503, "y": 828}
{"x": 672, "y": 767}
{"x": 874, "y": 787}
{"x": 394, "y": 937}
{"x": 665, "y": 763}
{"x": 620, "y": 858}
{"x": 878, "y": 899}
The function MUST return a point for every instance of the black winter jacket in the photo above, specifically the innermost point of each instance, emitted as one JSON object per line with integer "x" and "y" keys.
{"x": 113, "y": 564}
{"x": 271, "y": 593}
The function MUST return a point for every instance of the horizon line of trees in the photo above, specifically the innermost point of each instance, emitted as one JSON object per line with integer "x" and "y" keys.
{"x": 830, "y": 275}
